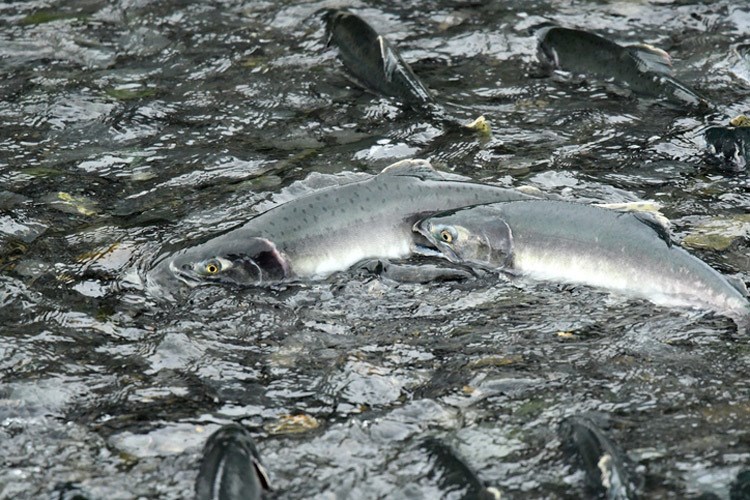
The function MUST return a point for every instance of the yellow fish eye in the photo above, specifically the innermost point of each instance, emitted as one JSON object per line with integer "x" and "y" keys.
{"x": 446, "y": 236}
{"x": 213, "y": 267}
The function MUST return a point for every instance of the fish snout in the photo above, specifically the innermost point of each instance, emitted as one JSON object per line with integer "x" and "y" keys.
{"x": 428, "y": 228}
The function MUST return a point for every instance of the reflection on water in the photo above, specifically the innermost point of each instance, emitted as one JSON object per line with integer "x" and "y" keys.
{"x": 133, "y": 128}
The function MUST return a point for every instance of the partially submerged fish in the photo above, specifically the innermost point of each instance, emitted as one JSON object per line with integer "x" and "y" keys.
{"x": 606, "y": 466}
{"x": 374, "y": 64}
{"x": 454, "y": 476}
{"x": 582, "y": 244}
{"x": 330, "y": 230}
{"x": 729, "y": 146}
{"x": 371, "y": 60}
{"x": 644, "y": 69}
{"x": 231, "y": 468}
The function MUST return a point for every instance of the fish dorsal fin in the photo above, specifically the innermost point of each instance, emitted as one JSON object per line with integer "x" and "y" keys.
{"x": 655, "y": 223}
{"x": 650, "y": 59}
{"x": 390, "y": 60}
{"x": 413, "y": 168}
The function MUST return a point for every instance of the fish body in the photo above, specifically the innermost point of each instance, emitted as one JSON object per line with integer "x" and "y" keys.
{"x": 583, "y": 244}
{"x": 729, "y": 146}
{"x": 331, "y": 229}
{"x": 454, "y": 475}
{"x": 644, "y": 69}
{"x": 372, "y": 60}
{"x": 606, "y": 466}
{"x": 231, "y": 468}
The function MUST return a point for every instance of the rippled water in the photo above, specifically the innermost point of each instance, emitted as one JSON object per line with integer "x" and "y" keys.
{"x": 134, "y": 127}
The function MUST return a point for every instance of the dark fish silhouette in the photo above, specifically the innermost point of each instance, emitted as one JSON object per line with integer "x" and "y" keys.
{"x": 729, "y": 146}
{"x": 371, "y": 60}
{"x": 604, "y": 463}
{"x": 644, "y": 69}
{"x": 231, "y": 468}
{"x": 454, "y": 475}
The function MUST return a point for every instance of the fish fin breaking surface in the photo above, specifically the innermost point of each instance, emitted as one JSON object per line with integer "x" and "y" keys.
{"x": 651, "y": 59}
{"x": 653, "y": 221}
{"x": 414, "y": 168}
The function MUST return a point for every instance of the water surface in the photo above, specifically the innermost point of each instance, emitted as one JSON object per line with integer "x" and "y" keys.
{"x": 136, "y": 127}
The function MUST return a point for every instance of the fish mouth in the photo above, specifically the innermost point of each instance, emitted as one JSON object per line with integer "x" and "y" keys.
{"x": 431, "y": 246}
{"x": 187, "y": 278}
{"x": 255, "y": 262}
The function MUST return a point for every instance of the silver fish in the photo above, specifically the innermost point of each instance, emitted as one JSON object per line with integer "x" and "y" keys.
{"x": 231, "y": 468}
{"x": 644, "y": 69}
{"x": 330, "y": 230}
{"x": 582, "y": 244}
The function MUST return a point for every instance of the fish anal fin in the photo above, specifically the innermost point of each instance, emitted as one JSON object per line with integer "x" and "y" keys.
{"x": 413, "y": 168}
{"x": 651, "y": 59}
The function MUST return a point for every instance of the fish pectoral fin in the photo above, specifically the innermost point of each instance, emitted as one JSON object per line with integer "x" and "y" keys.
{"x": 413, "y": 168}
{"x": 650, "y": 59}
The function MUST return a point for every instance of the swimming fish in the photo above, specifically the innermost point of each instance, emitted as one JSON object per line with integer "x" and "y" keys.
{"x": 583, "y": 244}
{"x": 729, "y": 146}
{"x": 231, "y": 468}
{"x": 331, "y": 229}
{"x": 455, "y": 477}
{"x": 644, "y": 69}
{"x": 372, "y": 60}
{"x": 606, "y": 466}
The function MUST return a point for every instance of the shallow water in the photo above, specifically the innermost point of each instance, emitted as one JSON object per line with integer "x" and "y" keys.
{"x": 132, "y": 128}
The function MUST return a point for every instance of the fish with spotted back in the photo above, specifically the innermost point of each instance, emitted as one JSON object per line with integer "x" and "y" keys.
{"x": 329, "y": 230}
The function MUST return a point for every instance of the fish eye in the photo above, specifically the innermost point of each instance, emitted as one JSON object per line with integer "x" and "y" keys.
{"x": 212, "y": 267}
{"x": 446, "y": 236}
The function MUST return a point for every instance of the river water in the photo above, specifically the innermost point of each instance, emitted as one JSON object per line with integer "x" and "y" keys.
{"x": 136, "y": 126}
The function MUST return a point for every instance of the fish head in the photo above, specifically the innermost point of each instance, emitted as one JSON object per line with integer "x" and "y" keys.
{"x": 469, "y": 235}
{"x": 251, "y": 261}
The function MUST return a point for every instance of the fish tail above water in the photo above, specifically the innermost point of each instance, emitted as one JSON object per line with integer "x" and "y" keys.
{"x": 231, "y": 468}
{"x": 605, "y": 465}
{"x": 373, "y": 62}
{"x": 645, "y": 69}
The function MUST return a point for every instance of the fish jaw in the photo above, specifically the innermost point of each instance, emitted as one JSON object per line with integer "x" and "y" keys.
{"x": 427, "y": 228}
